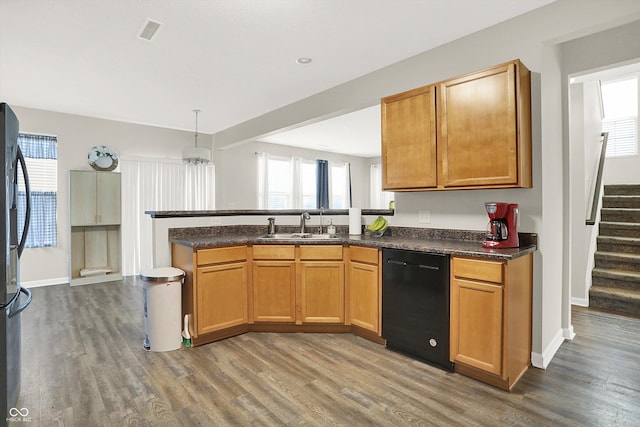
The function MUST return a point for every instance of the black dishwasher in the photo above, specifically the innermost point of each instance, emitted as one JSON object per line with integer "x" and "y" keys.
{"x": 415, "y": 305}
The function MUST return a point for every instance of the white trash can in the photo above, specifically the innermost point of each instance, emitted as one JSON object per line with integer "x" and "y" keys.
{"x": 162, "y": 308}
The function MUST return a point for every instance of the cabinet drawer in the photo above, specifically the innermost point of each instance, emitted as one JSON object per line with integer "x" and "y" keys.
{"x": 274, "y": 252}
{"x": 314, "y": 252}
{"x": 366, "y": 255}
{"x": 219, "y": 255}
{"x": 477, "y": 269}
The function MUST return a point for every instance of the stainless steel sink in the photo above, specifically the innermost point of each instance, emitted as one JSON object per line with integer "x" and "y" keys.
{"x": 291, "y": 236}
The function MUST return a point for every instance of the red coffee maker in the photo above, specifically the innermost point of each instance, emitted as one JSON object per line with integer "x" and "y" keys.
{"x": 502, "y": 230}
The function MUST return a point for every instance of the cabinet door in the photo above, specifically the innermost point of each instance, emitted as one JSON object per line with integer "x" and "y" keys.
{"x": 108, "y": 198}
{"x": 322, "y": 286}
{"x": 94, "y": 198}
{"x": 274, "y": 291}
{"x": 82, "y": 198}
{"x": 478, "y": 141}
{"x": 476, "y": 324}
{"x": 409, "y": 140}
{"x": 221, "y": 297}
{"x": 364, "y": 296}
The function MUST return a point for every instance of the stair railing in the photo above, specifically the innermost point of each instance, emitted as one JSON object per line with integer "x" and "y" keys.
{"x": 591, "y": 220}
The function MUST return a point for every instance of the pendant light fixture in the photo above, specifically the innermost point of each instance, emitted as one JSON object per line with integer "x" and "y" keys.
{"x": 196, "y": 155}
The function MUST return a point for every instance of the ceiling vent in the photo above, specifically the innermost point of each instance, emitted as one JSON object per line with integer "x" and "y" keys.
{"x": 149, "y": 30}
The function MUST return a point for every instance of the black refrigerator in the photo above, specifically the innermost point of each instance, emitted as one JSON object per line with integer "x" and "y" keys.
{"x": 13, "y": 297}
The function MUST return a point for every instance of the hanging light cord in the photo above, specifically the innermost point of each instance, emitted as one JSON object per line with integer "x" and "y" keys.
{"x": 196, "y": 111}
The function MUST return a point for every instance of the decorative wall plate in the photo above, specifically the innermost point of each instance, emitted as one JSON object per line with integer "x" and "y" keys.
{"x": 103, "y": 158}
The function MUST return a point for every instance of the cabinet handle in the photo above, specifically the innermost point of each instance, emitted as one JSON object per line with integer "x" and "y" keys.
{"x": 408, "y": 264}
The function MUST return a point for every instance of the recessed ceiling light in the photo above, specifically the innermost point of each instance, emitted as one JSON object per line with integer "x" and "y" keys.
{"x": 303, "y": 60}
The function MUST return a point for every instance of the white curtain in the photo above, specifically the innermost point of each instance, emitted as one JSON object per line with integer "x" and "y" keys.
{"x": 157, "y": 185}
{"x": 285, "y": 189}
{"x": 295, "y": 166}
{"x": 379, "y": 199}
{"x": 263, "y": 179}
{"x": 339, "y": 185}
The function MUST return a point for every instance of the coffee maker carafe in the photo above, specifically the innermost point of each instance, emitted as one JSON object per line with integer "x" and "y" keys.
{"x": 502, "y": 229}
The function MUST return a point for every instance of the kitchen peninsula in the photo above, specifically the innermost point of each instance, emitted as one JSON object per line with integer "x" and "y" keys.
{"x": 239, "y": 280}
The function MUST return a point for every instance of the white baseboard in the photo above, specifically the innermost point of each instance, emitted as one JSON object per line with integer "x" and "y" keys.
{"x": 582, "y": 302}
{"x": 542, "y": 360}
{"x": 568, "y": 333}
{"x": 46, "y": 282}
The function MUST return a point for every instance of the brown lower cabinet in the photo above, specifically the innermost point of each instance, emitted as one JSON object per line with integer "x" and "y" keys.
{"x": 321, "y": 284}
{"x": 491, "y": 318}
{"x": 274, "y": 283}
{"x": 232, "y": 290}
{"x": 214, "y": 292}
{"x": 365, "y": 288}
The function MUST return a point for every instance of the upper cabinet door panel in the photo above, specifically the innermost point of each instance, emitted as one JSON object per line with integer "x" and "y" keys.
{"x": 94, "y": 198}
{"x": 108, "y": 202}
{"x": 484, "y": 135}
{"x": 409, "y": 140}
{"x": 82, "y": 191}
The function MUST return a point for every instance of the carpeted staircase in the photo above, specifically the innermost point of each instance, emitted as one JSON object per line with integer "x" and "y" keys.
{"x": 616, "y": 276}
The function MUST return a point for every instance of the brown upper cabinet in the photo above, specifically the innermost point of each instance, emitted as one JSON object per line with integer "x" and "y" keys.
{"x": 469, "y": 132}
{"x": 409, "y": 140}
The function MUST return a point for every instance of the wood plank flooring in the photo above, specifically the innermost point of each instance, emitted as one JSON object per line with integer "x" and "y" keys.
{"x": 83, "y": 365}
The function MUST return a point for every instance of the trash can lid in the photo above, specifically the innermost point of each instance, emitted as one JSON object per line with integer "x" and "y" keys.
{"x": 162, "y": 274}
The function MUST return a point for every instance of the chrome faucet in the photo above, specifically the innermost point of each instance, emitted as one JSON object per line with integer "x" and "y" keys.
{"x": 304, "y": 217}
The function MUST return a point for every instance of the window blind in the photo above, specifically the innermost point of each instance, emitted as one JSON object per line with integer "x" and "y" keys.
{"x": 622, "y": 136}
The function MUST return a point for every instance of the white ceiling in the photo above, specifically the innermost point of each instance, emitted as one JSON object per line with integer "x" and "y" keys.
{"x": 232, "y": 59}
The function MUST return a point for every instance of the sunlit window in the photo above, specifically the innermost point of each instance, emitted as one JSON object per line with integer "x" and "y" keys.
{"x": 292, "y": 183}
{"x": 620, "y": 102}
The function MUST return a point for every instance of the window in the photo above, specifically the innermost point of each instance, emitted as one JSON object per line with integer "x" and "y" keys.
{"x": 620, "y": 102}
{"x": 291, "y": 183}
{"x": 41, "y": 154}
{"x": 339, "y": 190}
{"x": 379, "y": 199}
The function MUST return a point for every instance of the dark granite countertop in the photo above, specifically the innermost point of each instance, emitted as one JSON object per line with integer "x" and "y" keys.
{"x": 452, "y": 242}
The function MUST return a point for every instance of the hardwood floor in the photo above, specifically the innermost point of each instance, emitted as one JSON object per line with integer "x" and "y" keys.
{"x": 83, "y": 365}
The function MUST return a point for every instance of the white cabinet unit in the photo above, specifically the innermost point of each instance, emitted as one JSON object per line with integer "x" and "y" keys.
{"x": 94, "y": 218}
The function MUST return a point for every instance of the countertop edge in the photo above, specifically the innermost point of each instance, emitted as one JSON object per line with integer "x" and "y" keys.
{"x": 261, "y": 212}
{"x": 432, "y": 246}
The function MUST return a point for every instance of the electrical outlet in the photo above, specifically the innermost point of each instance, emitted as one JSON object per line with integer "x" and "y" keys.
{"x": 424, "y": 217}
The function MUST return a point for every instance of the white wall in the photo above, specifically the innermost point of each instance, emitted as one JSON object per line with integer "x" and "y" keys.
{"x": 585, "y": 128}
{"x": 236, "y": 173}
{"x": 535, "y": 38}
{"x": 622, "y": 170}
{"x": 76, "y": 135}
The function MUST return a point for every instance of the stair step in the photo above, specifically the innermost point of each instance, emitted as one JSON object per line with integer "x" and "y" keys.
{"x": 615, "y": 299}
{"x": 619, "y": 201}
{"x": 615, "y": 279}
{"x": 619, "y": 229}
{"x": 616, "y": 276}
{"x": 620, "y": 215}
{"x": 617, "y": 261}
{"x": 622, "y": 189}
{"x": 618, "y": 244}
